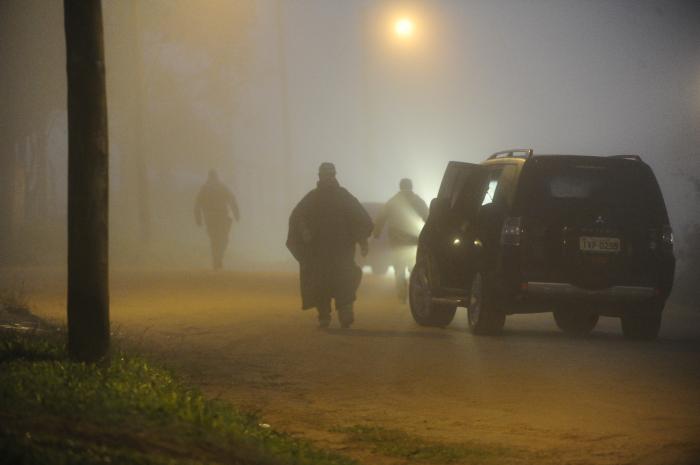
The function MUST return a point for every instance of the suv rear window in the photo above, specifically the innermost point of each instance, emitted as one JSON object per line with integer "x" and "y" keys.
{"x": 626, "y": 187}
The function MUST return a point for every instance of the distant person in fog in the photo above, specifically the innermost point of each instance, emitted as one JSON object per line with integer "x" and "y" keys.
{"x": 213, "y": 204}
{"x": 405, "y": 213}
{"x": 324, "y": 229}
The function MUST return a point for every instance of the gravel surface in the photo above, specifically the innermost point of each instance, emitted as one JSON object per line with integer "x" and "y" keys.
{"x": 242, "y": 337}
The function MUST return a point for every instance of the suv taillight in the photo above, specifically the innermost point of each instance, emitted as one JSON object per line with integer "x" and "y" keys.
{"x": 510, "y": 233}
{"x": 667, "y": 236}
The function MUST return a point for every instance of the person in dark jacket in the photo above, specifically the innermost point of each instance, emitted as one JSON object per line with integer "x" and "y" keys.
{"x": 213, "y": 204}
{"x": 405, "y": 213}
{"x": 324, "y": 228}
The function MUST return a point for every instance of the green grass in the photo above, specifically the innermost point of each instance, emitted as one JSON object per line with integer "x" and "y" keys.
{"x": 395, "y": 443}
{"x": 55, "y": 411}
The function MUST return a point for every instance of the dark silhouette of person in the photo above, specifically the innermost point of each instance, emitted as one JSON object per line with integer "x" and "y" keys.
{"x": 405, "y": 213}
{"x": 324, "y": 228}
{"x": 213, "y": 204}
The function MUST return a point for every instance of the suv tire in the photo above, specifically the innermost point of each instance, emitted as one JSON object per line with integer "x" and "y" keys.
{"x": 425, "y": 312}
{"x": 483, "y": 312}
{"x": 642, "y": 321}
{"x": 575, "y": 322}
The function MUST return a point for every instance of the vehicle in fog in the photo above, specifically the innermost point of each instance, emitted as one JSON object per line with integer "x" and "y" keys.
{"x": 579, "y": 236}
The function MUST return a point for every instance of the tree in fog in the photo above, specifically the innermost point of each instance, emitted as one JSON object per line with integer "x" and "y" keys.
{"x": 176, "y": 67}
{"x": 88, "y": 286}
{"x": 29, "y": 112}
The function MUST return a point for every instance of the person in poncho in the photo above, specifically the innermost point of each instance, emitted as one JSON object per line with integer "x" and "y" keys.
{"x": 324, "y": 229}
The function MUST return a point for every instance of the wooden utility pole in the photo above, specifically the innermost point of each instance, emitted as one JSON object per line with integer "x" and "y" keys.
{"x": 88, "y": 187}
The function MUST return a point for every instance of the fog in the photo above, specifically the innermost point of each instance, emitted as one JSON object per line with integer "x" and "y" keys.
{"x": 263, "y": 91}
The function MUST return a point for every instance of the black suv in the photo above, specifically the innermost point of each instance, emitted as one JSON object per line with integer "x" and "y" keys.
{"x": 580, "y": 236}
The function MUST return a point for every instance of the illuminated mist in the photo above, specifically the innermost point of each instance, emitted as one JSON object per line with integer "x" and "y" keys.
{"x": 264, "y": 90}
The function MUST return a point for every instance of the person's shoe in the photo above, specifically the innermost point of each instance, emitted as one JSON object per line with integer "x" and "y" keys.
{"x": 346, "y": 316}
{"x": 324, "y": 324}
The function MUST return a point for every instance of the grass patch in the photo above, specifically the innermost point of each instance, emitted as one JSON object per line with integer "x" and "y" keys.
{"x": 396, "y": 443}
{"x": 55, "y": 411}
{"x": 29, "y": 347}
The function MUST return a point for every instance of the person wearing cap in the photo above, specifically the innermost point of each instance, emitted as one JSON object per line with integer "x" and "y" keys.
{"x": 212, "y": 205}
{"x": 405, "y": 214}
{"x": 324, "y": 229}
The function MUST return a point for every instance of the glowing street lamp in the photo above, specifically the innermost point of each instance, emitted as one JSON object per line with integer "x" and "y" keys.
{"x": 404, "y": 28}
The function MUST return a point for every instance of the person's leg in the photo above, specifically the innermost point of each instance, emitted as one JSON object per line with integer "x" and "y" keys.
{"x": 324, "y": 312}
{"x": 400, "y": 274}
{"x": 346, "y": 314}
{"x": 225, "y": 231}
{"x": 214, "y": 245}
{"x": 347, "y": 280}
{"x": 217, "y": 250}
{"x": 402, "y": 283}
{"x": 219, "y": 239}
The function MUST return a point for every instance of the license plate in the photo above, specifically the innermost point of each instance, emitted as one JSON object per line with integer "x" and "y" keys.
{"x": 599, "y": 244}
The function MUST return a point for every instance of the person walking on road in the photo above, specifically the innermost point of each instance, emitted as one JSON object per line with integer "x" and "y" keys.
{"x": 212, "y": 205}
{"x": 405, "y": 213}
{"x": 324, "y": 229}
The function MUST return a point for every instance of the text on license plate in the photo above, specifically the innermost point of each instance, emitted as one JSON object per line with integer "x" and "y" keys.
{"x": 599, "y": 244}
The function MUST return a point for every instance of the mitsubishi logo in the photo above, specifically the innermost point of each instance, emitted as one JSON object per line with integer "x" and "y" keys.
{"x": 599, "y": 220}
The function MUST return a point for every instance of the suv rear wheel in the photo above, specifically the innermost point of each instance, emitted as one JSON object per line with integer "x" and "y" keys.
{"x": 425, "y": 312}
{"x": 575, "y": 321}
{"x": 483, "y": 313}
{"x": 642, "y": 321}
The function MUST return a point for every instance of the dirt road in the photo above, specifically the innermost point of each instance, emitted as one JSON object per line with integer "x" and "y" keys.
{"x": 241, "y": 337}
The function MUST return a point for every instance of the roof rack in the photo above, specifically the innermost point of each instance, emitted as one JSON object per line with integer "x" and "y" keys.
{"x": 526, "y": 153}
{"x": 627, "y": 157}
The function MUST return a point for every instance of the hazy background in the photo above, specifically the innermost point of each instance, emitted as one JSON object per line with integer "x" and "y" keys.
{"x": 264, "y": 90}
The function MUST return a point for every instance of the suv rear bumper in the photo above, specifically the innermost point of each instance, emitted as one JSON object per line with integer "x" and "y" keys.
{"x": 613, "y": 293}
